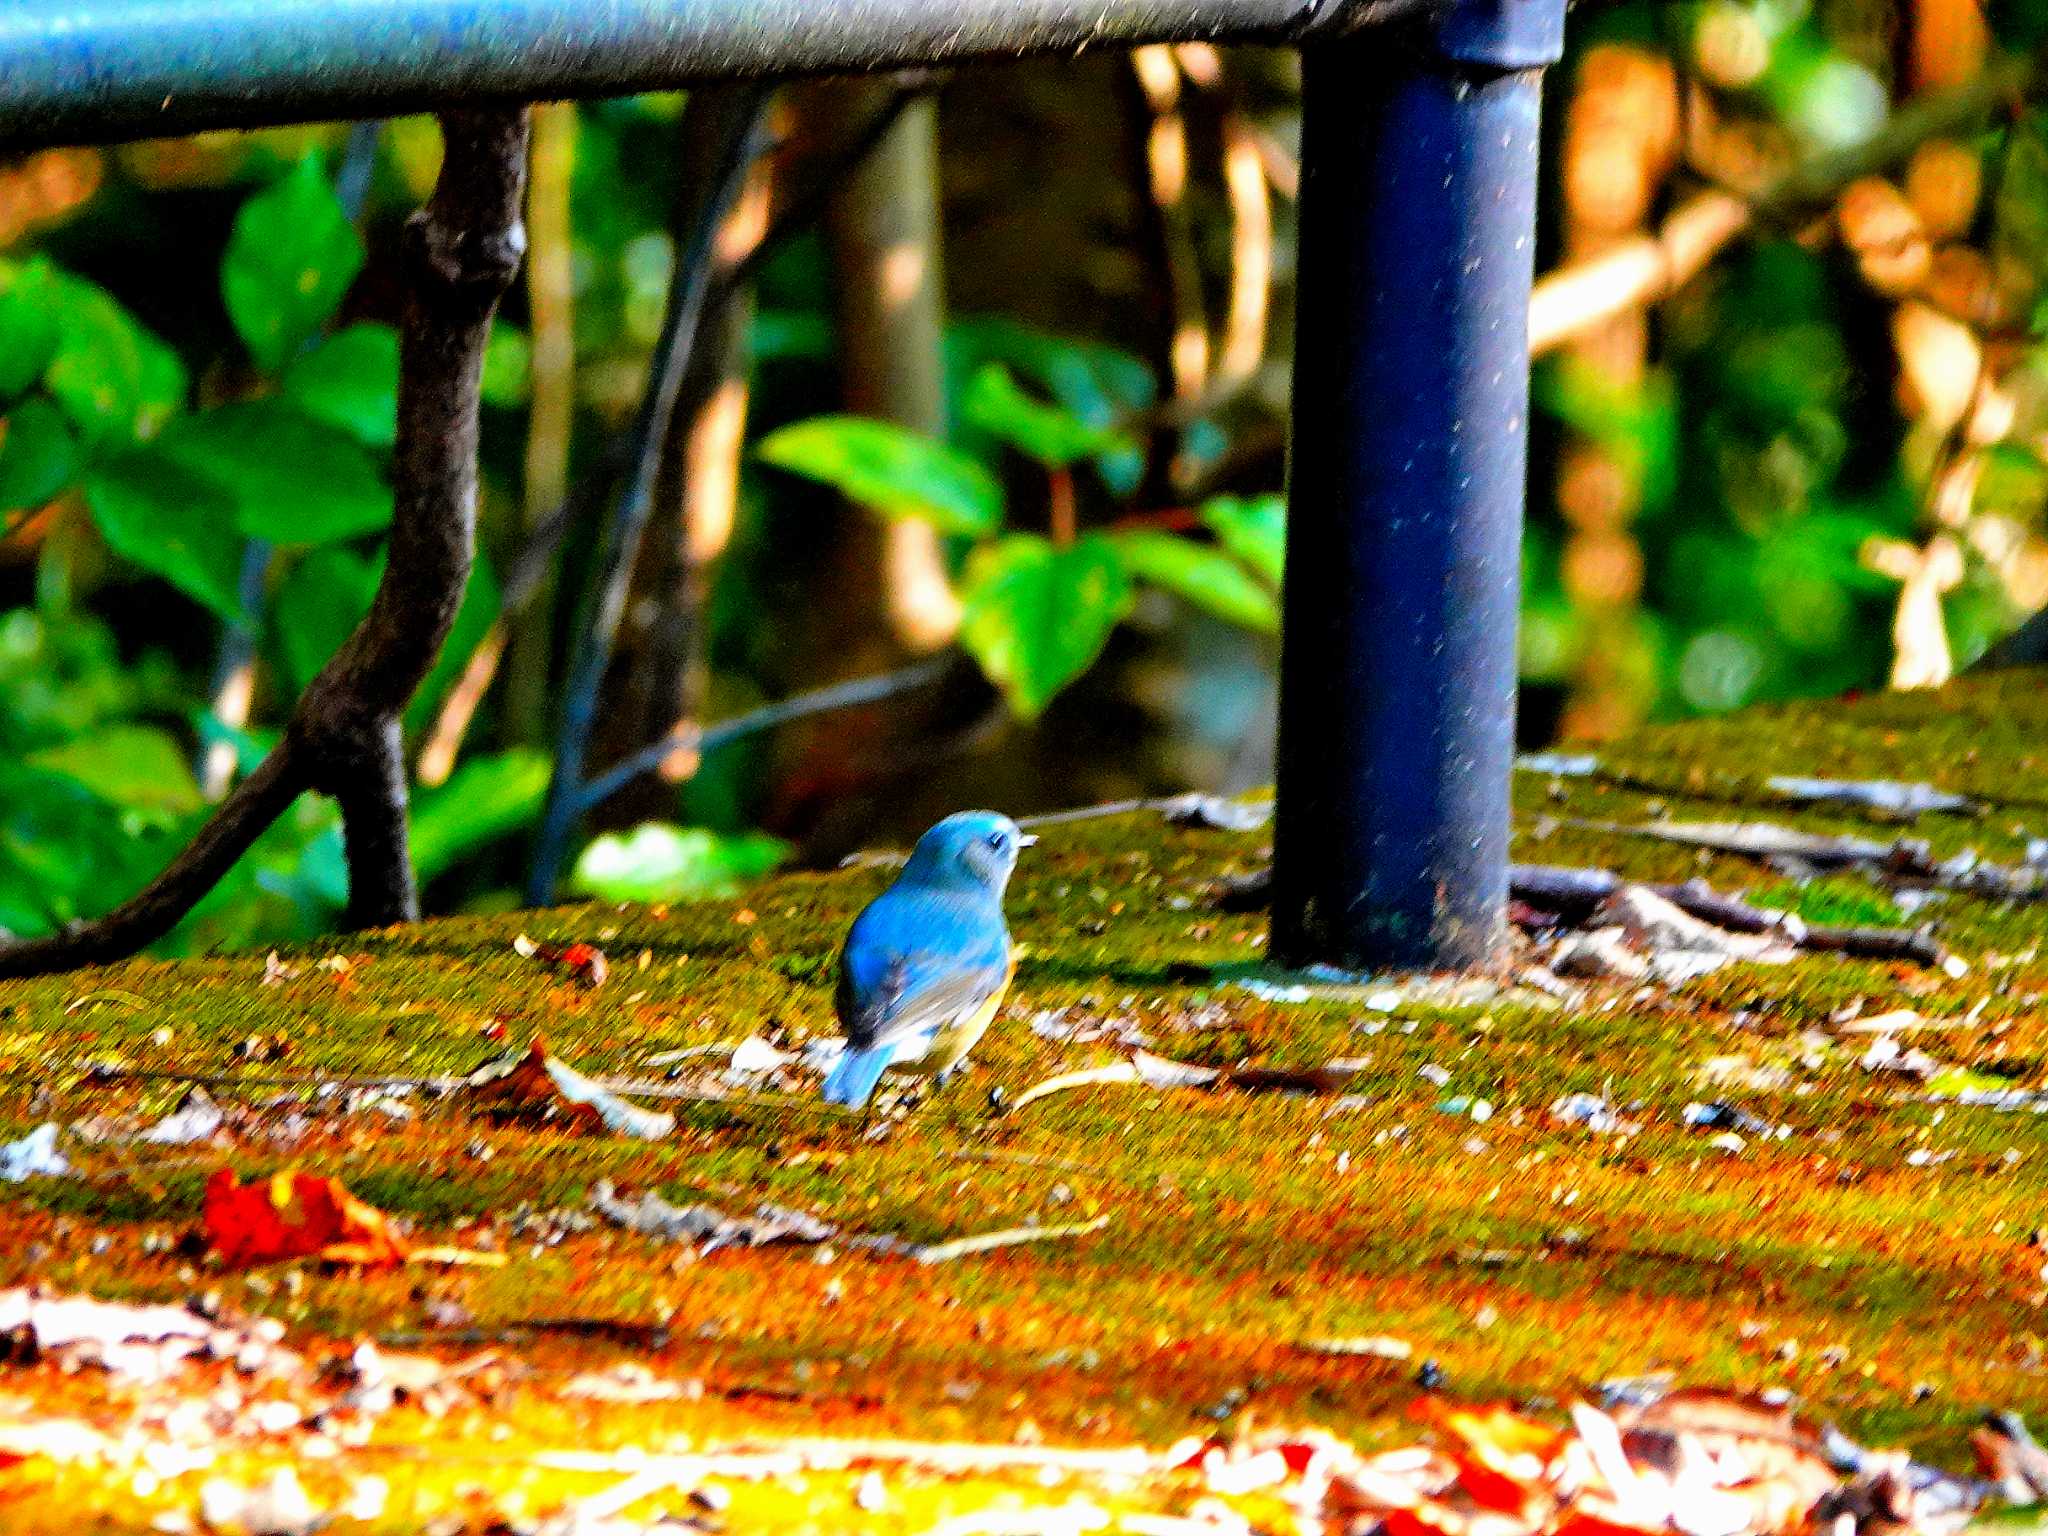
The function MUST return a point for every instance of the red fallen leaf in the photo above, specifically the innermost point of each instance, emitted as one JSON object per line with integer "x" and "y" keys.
{"x": 1502, "y": 1457}
{"x": 1579, "y": 1520}
{"x": 1426, "y": 1517}
{"x": 585, "y": 962}
{"x": 294, "y": 1216}
{"x": 1297, "y": 1456}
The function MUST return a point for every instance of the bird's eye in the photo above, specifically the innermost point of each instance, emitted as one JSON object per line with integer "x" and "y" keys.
{"x": 996, "y": 841}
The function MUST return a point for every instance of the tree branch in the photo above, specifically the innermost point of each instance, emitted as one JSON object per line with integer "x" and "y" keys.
{"x": 526, "y": 575}
{"x": 1575, "y": 299}
{"x": 819, "y": 701}
{"x": 250, "y": 807}
{"x": 343, "y": 738}
{"x": 735, "y": 114}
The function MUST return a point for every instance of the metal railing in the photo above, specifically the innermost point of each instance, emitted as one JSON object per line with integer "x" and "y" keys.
{"x": 1410, "y": 407}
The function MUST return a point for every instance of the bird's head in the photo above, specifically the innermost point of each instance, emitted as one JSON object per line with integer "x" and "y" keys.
{"x": 970, "y": 848}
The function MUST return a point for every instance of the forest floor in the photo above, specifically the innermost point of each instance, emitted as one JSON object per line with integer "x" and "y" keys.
{"x": 1878, "y": 1255}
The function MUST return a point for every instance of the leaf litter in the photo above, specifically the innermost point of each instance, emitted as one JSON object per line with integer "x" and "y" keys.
{"x": 711, "y": 1229}
{"x": 535, "y": 1084}
{"x": 34, "y": 1156}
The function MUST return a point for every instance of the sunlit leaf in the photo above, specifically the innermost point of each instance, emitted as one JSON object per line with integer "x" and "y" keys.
{"x": 1051, "y": 434}
{"x": 38, "y": 454}
{"x": 113, "y": 377}
{"x": 890, "y": 470}
{"x": 1037, "y": 615}
{"x": 291, "y": 479}
{"x": 1253, "y": 529}
{"x": 350, "y": 382}
{"x": 660, "y": 862}
{"x": 483, "y": 800}
{"x": 293, "y": 1215}
{"x": 171, "y": 521}
{"x": 1203, "y": 574}
{"x": 28, "y": 326}
{"x": 290, "y": 259}
{"x": 136, "y": 767}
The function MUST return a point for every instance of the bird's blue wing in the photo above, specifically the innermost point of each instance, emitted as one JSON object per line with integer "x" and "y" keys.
{"x": 914, "y": 961}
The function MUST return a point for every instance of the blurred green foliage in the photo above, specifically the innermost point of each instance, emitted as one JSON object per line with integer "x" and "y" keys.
{"x": 1039, "y": 611}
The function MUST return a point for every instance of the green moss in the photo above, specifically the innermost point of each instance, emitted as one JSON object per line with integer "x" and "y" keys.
{"x": 1526, "y": 1256}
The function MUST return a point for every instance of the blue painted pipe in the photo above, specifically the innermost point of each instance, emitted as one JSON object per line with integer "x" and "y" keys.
{"x": 79, "y": 71}
{"x": 1409, "y": 447}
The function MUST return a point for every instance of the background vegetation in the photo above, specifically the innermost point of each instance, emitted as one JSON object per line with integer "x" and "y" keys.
{"x": 1013, "y": 395}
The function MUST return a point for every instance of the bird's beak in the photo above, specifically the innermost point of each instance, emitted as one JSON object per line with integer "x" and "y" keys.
{"x": 1026, "y": 839}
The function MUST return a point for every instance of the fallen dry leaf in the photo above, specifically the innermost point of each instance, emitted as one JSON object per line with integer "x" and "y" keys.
{"x": 534, "y": 1083}
{"x": 585, "y": 962}
{"x": 294, "y": 1216}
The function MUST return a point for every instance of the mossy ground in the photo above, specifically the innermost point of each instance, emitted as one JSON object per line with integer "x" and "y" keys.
{"x": 1898, "y": 1295}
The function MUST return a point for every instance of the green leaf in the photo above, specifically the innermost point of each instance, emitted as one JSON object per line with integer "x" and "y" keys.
{"x": 318, "y": 605}
{"x": 136, "y": 767}
{"x": 173, "y": 522}
{"x": 660, "y": 862}
{"x": 1097, "y": 384}
{"x": 891, "y": 470}
{"x": 38, "y": 455}
{"x": 115, "y": 380}
{"x": 350, "y": 382}
{"x": 1254, "y": 530}
{"x": 1953, "y": 1082}
{"x": 483, "y": 800}
{"x": 326, "y": 595}
{"x": 1051, "y": 434}
{"x": 291, "y": 480}
{"x": 508, "y": 366}
{"x": 1094, "y": 381}
{"x": 1037, "y": 616}
{"x": 64, "y": 854}
{"x": 29, "y": 335}
{"x": 290, "y": 259}
{"x": 1202, "y": 574}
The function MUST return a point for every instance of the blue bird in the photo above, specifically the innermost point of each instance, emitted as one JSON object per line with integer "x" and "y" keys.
{"x": 927, "y": 962}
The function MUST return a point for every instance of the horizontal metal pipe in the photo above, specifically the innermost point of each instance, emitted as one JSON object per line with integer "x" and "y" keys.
{"x": 96, "y": 71}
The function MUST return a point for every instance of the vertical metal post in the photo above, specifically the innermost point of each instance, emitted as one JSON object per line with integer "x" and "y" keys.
{"x": 1409, "y": 448}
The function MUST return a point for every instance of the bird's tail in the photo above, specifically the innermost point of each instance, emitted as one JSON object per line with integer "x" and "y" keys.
{"x": 854, "y": 1078}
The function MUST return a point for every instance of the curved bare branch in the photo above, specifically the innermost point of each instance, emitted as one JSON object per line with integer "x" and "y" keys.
{"x": 462, "y": 250}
